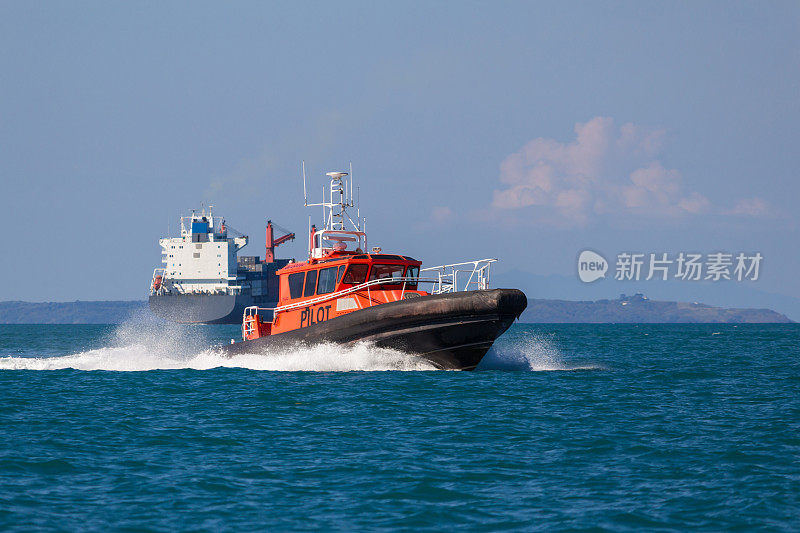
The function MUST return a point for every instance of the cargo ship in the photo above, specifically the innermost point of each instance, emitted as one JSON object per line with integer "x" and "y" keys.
{"x": 345, "y": 292}
{"x": 204, "y": 280}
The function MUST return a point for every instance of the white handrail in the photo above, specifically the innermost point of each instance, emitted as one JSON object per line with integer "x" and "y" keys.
{"x": 253, "y": 309}
{"x": 478, "y": 275}
{"x": 338, "y": 294}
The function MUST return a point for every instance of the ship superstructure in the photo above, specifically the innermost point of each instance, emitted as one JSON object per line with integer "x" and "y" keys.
{"x": 204, "y": 280}
{"x": 203, "y": 259}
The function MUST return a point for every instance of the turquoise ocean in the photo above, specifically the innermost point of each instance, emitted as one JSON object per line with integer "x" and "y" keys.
{"x": 144, "y": 427}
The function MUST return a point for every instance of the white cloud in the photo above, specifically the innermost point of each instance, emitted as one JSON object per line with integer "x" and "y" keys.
{"x": 658, "y": 190}
{"x": 753, "y": 207}
{"x": 441, "y": 214}
{"x": 604, "y": 170}
{"x": 695, "y": 203}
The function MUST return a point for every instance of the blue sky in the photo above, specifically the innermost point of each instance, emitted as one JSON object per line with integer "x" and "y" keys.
{"x": 525, "y": 131}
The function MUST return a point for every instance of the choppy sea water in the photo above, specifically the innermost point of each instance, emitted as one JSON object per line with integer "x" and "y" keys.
{"x": 617, "y": 427}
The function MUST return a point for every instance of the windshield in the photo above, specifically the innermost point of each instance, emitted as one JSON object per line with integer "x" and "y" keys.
{"x": 386, "y": 271}
{"x": 413, "y": 272}
{"x": 356, "y": 274}
{"x": 383, "y": 272}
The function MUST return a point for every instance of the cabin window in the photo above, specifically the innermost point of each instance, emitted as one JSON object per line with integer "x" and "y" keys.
{"x": 296, "y": 285}
{"x": 327, "y": 280}
{"x": 341, "y": 273}
{"x": 311, "y": 283}
{"x": 355, "y": 274}
{"x": 413, "y": 272}
{"x": 386, "y": 271}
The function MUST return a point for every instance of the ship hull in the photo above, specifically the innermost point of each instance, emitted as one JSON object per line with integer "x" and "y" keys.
{"x": 452, "y": 331}
{"x": 202, "y": 308}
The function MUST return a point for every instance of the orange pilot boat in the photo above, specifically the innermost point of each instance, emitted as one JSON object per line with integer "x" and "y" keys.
{"x": 342, "y": 294}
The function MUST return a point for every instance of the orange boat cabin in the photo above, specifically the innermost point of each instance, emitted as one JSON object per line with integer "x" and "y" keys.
{"x": 343, "y": 282}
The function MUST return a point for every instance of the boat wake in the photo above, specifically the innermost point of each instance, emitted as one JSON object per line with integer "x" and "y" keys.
{"x": 529, "y": 351}
{"x": 146, "y": 344}
{"x": 138, "y": 357}
{"x": 319, "y": 358}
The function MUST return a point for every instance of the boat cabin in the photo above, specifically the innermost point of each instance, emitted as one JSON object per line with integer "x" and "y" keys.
{"x": 301, "y": 281}
{"x": 315, "y": 291}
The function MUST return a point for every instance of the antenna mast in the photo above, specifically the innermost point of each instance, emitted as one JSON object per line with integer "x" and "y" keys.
{"x": 305, "y": 196}
{"x": 351, "y": 184}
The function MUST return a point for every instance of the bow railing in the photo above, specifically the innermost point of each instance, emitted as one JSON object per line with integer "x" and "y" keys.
{"x": 466, "y": 276}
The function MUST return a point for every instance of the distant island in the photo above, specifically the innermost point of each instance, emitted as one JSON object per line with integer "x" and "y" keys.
{"x": 634, "y": 309}
{"x": 638, "y": 309}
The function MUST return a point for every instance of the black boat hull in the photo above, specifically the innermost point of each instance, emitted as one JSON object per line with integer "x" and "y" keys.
{"x": 452, "y": 331}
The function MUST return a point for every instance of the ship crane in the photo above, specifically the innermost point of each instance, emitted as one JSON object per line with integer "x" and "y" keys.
{"x": 272, "y": 242}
